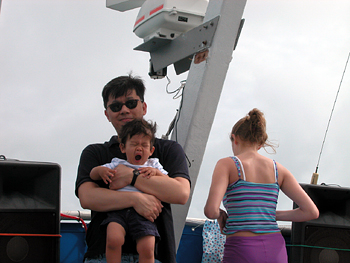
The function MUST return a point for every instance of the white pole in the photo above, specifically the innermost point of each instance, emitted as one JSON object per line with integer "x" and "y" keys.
{"x": 202, "y": 93}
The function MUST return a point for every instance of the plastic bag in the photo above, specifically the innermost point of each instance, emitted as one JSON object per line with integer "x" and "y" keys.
{"x": 213, "y": 242}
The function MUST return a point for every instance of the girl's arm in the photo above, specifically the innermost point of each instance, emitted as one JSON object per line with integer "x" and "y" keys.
{"x": 219, "y": 183}
{"x": 307, "y": 209}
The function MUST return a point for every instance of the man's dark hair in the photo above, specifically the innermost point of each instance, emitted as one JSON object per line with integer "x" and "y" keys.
{"x": 121, "y": 85}
{"x": 138, "y": 126}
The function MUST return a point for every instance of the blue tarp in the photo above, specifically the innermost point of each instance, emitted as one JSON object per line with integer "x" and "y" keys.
{"x": 191, "y": 245}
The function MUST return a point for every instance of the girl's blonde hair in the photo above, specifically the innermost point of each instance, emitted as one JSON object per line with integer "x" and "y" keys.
{"x": 252, "y": 128}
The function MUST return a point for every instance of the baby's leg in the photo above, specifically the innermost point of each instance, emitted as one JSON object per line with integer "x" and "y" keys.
{"x": 145, "y": 248}
{"x": 115, "y": 240}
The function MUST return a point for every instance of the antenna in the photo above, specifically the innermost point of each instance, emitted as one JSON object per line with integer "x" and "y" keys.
{"x": 315, "y": 174}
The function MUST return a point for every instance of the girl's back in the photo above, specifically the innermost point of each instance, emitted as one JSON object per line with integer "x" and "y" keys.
{"x": 257, "y": 169}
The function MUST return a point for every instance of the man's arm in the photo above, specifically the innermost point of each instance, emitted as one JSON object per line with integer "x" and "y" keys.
{"x": 100, "y": 199}
{"x": 174, "y": 189}
{"x": 170, "y": 190}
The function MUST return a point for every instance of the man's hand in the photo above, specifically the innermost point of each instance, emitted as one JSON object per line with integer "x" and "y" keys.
{"x": 148, "y": 206}
{"x": 122, "y": 178}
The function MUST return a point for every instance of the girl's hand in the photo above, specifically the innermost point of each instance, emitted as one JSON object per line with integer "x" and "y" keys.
{"x": 222, "y": 219}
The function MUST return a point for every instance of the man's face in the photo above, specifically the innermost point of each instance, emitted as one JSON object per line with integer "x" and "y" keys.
{"x": 137, "y": 149}
{"x": 119, "y": 118}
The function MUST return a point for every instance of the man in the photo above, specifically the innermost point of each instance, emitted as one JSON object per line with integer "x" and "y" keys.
{"x": 124, "y": 101}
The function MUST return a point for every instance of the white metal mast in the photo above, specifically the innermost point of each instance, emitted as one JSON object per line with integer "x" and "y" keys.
{"x": 202, "y": 93}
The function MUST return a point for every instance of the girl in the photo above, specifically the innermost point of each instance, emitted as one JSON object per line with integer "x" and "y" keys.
{"x": 248, "y": 184}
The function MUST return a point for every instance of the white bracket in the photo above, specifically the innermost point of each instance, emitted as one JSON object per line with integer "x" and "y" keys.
{"x": 180, "y": 50}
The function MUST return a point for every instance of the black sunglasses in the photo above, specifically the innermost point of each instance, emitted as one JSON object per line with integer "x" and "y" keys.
{"x": 117, "y": 106}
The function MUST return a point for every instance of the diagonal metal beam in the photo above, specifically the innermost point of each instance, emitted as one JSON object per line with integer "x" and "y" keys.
{"x": 202, "y": 92}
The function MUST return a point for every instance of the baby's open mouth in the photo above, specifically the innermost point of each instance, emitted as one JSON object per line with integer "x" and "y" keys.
{"x": 138, "y": 157}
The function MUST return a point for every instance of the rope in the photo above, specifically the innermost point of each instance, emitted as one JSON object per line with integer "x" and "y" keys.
{"x": 29, "y": 235}
{"x": 307, "y": 246}
{"x": 76, "y": 218}
{"x": 324, "y": 139}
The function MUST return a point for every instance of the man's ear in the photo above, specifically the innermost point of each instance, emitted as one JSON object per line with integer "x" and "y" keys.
{"x": 122, "y": 147}
{"x": 106, "y": 114}
{"x": 144, "y": 108}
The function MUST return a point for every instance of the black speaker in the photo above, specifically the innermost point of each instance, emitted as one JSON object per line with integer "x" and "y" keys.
{"x": 327, "y": 238}
{"x": 29, "y": 212}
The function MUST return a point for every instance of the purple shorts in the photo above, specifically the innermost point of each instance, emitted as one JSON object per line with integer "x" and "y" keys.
{"x": 269, "y": 248}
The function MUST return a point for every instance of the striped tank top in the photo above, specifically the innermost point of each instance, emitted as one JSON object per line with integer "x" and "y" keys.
{"x": 251, "y": 206}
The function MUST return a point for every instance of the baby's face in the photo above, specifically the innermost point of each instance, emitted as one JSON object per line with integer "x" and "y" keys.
{"x": 138, "y": 149}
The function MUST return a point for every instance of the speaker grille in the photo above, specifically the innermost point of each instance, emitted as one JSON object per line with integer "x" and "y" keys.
{"x": 326, "y": 239}
{"x": 328, "y": 244}
{"x": 29, "y": 249}
{"x": 29, "y": 212}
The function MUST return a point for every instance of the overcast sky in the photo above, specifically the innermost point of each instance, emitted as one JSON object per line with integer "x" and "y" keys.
{"x": 56, "y": 56}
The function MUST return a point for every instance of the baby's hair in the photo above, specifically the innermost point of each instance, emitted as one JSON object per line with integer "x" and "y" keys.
{"x": 252, "y": 128}
{"x": 138, "y": 126}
